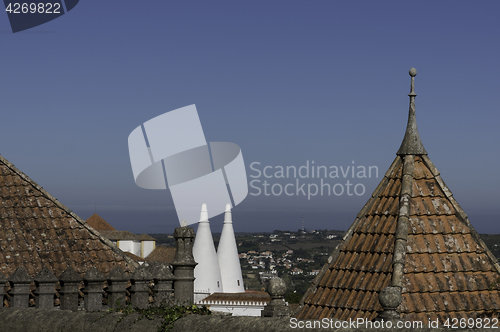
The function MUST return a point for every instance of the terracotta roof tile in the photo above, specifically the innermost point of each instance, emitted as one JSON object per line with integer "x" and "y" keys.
{"x": 315, "y": 312}
{"x": 342, "y": 313}
{"x": 350, "y": 299}
{"x": 323, "y": 296}
{"x": 339, "y": 278}
{"x": 304, "y": 312}
{"x": 353, "y": 279}
{"x": 426, "y": 187}
{"x": 344, "y": 298}
{"x": 317, "y": 295}
{"x": 397, "y": 171}
{"x": 325, "y": 277}
{"x": 358, "y": 299}
{"x": 372, "y": 302}
{"x": 421, "y": 171}
{"x": 335, "y": 295}
{"x": 324, "y": 313}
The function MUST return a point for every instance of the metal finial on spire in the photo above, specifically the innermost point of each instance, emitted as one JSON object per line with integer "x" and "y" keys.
{"x": 411, "y": 142}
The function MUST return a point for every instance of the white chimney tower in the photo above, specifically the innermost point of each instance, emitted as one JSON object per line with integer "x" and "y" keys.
{"x": 229, "y": 261}
{"x": 207, "y": 273}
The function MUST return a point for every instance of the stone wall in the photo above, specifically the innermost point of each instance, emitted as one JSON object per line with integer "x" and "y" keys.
{"x": 33, "y": 320}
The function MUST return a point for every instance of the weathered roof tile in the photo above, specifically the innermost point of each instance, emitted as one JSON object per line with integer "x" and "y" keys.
{"x": 38, "y": 227}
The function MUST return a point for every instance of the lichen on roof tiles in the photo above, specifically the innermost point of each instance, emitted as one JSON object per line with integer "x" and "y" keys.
{"x": 36, "y": 230}
{"x": 160, "y": 254}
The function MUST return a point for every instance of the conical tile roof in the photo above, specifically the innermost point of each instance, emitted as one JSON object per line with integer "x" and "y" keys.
{"x": 36, "y": 230}
{"x": 411, "y": 235}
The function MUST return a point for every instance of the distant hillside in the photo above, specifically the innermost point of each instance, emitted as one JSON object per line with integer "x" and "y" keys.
{"x": 251, "y": 241}
{"x": 493, "y": 243}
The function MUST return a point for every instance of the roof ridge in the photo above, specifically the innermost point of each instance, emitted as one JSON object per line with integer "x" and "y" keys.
{"x": 401, "y": 236}
{"x": 67, "y": 210}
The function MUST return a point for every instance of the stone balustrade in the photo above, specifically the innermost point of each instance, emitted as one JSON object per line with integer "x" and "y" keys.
{"x": 149, "y": 285}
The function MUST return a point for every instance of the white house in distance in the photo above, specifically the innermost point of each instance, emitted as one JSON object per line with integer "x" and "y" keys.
{"x": 138, "y": 245}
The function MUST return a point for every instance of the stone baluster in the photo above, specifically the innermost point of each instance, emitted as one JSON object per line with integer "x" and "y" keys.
{"x": 139, "y": 292}
{"x": 117, "y": 287}
{"x": 45, "y": 289}
{"x": 184, "y": 265}
{"x": 20, "y": 282}
{"x": 70, "y": 282}
{"x": 163, "y": 279}
{"x": 93, "y": 280}
{"x": 277, "y": 306}
{"x": 3, "y": 281}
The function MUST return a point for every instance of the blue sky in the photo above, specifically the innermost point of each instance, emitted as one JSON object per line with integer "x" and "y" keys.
{"x": 288, "y": 81}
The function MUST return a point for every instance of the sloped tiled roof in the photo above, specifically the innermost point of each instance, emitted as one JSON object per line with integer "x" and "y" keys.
{"x": 163, "y": 255}
{"x": 145, "y": 237}
{"x": 412, "y": 235}
{"x": 36, "y": 230}
{"x": 120, "y": 235}
{"x": 96, "y": 222}
{"x": 134, "y": 257}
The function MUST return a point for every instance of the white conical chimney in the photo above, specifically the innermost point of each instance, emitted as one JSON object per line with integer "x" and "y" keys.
{"x": 229, "y": 262}
{"x": 207, "y": 273}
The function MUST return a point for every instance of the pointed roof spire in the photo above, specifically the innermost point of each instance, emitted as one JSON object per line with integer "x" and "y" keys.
{"x": 207, "y": 272}
{"x": 411, "y": 142}
{"x": 229, "y": 261}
